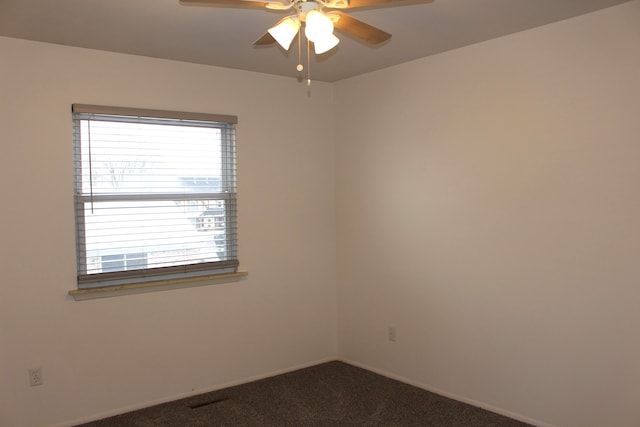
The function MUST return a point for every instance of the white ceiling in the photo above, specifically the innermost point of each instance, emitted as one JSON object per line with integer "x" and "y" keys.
{"x": 224, "y": 36}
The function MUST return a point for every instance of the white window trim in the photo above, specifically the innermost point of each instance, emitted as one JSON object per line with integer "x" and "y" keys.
{"x": 160, "y": 285}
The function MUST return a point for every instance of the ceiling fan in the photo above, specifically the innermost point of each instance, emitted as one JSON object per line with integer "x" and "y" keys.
{"x": 319, "y": 18}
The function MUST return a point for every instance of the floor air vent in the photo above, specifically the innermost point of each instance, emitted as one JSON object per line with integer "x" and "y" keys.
{"x": 207, "y": 403}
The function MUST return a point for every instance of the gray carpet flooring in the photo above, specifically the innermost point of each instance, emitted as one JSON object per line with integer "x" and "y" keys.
{"x": 326, "y": 395}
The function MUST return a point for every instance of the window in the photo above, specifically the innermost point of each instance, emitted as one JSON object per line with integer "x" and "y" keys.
{"x": 155, "y": 195}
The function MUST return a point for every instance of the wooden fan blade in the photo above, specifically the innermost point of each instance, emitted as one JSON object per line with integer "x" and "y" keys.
{"x": 238, "y": 3}
{"x": 359, "y": 29}
{"x": 266, "y": 39}
{"x": 352, "y": 4}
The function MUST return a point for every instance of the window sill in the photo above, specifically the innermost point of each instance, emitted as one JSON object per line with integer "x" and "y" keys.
{"x": 160, "y": 285}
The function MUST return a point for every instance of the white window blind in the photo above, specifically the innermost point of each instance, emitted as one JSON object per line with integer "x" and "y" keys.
{"x": 155, "y": 195}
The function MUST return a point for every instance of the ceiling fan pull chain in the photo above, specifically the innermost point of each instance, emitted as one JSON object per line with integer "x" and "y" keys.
{"x": 308, "y": 63}
{"x": 299, "y": 67}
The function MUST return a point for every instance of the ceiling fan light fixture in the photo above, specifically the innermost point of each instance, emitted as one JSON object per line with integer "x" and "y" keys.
{"x": 285, "y": 31}
{"x": 317, "y": 25}
{"x": 325, "y": 44}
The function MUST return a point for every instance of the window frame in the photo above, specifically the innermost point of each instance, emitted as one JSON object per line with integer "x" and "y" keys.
{"x": 228, "y": 194}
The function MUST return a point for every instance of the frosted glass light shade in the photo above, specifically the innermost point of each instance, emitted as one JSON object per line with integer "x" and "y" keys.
{"x": 317, "y": 25}
{"x": 285, "y": 31}
{"x": 325, "y": 43}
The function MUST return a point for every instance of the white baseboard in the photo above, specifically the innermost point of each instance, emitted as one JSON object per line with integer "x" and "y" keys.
{"x": 453, "y": 396}
{"x": 136, "y": 407}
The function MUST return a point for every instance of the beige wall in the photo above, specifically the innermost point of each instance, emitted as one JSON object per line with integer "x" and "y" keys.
{"x": 488, "y": 208}
{"x": 106, "y": 355}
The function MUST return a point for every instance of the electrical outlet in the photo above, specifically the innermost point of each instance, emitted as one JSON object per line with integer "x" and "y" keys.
{"x": 35, "y": 377}
{"x": 392, "y": 333}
